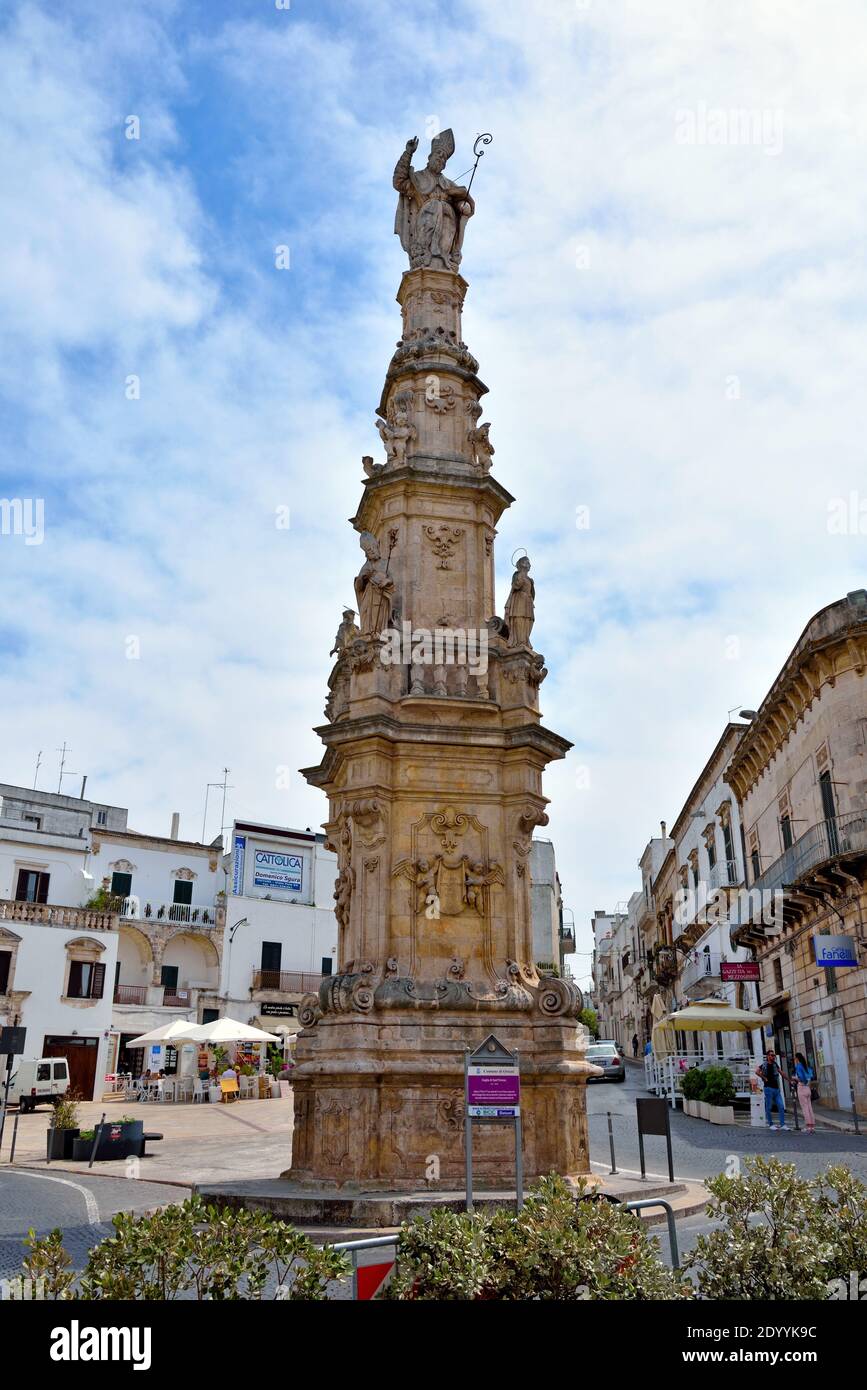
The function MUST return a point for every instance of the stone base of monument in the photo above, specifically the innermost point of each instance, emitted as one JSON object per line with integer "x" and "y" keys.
{"x": 379, "y": 1104}
{"x": 387, "y": 1210}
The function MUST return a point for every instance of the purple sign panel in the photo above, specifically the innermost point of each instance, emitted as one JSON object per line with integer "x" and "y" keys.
{"x": 493, "y": 1091}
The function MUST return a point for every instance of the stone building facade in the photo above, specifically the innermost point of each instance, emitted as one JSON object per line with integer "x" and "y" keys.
{"x": 800, "y": 775}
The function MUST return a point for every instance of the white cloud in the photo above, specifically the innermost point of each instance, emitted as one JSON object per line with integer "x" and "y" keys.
{"x": 697, "y": 385}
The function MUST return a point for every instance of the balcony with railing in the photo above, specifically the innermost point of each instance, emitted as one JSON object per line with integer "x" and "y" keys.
{"x": 726, "y": 873}
{"x": 285, "y": 982}
{"x": 54, "y": 915}
{"x": 130, "y": 994}
{"x": 803, "y": 874}
{"x": 700, "y": 973}
{"x": 825, "y": 841}
{"x": 192, "y": 914}
{"x": 567, "y": 941}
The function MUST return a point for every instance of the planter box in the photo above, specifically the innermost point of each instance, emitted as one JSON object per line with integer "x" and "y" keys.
{"x": 116, "y": 1141}
{"x": 59, "y": 1142}
{"x": 703, "y": 1108}
{"x": 721, "y": 1114}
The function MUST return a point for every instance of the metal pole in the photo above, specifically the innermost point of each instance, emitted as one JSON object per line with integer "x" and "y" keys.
{"x": 5, "y": 1105}
{"x": 795, "y": 1108}
{"x": 641, "y": 1149}
{"x": 519, "y": 1162}
{"x": 668, "y": 1146}
{"x": 468, "y": 1145}
{"x": 672, "y": 1224}
{"x": 14, "y": 1138}
{"x": 854, "y": 1111}
{"x": 50, "y": 1131}
{"x": 611, "y": 1143}
{"x": 97, "y": 1135}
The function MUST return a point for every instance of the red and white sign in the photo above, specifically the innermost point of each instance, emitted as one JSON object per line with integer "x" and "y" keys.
{"x": 739, "y": 970}
{"x": 373, "y": 1271}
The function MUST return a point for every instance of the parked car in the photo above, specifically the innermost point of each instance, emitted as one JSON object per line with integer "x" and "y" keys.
{"x": 606, "y": 1055}
{"x": 38, "y": 1081}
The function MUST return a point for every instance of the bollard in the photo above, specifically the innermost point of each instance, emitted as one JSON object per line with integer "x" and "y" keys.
{"x": 97, "y": 1135}
{"x": 795, "y": 1108}
{"x": 611, "y": 1144}
{"x": 854, "y": 1111}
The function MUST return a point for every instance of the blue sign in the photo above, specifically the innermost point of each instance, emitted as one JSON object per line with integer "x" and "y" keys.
{"x": 834, "y": 951}
{"x": 238, "y": 864}
{"x": 280, "y": 871}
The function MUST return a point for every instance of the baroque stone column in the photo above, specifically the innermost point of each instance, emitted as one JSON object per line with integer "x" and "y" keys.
{"x": 434, "y": 754}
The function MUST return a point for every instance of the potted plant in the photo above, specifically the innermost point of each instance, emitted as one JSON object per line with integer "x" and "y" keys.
{"x": 718, "y": 1095}
{"x": 63, "y": 1129}
{"x": 691, "y": 1089}
{"x": 119, "y": 1139}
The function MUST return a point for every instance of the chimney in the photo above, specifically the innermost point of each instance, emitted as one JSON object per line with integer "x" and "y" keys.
{"x": 662, "y": 828}
{"x": 176, "y": 820}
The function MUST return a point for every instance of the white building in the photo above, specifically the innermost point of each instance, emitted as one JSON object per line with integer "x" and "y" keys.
{"x": 553, "y": 940}
{"x": 281, "y": 931}
{"x": 58, "y": 958}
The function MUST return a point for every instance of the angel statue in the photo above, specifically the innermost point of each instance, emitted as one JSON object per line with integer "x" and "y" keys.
{"x": 374, "y": 589}
{"x": 476, "y": 879}
{"x": 432, "y": 211}
{"x": 397, "y": 432}
{"x": 521, "y": 605}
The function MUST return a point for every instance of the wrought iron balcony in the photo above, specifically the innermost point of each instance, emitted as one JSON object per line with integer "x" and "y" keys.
{"x": 726, "y": 873}
{"x": 141, "y": 910}
{"x": 130, "y": 994}
{"x": 701, "y": 967}
{"x": 827, "y": 840}
{"x": 286, "y": 981}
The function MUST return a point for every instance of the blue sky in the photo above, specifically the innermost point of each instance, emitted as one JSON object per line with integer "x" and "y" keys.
{"x": 672, "y": 334}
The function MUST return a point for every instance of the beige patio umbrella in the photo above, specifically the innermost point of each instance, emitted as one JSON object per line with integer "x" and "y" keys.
{"x": 174, "y": 1033}
{"x": 706, "y": 1016}
{"x": 228, "y": 1030}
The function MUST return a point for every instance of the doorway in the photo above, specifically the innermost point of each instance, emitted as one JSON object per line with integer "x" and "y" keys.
{"x": 840, "y": 1062}
{"x": 81, "y": 1054}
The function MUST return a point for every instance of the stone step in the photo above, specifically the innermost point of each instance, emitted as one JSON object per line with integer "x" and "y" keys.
{"x": 387, "y": 1210}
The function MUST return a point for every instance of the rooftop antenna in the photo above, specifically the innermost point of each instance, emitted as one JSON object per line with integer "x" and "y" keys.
{"x": 38, "y": 765}
{"x": 208, "y": 785}
{"x": 63, "y": 752}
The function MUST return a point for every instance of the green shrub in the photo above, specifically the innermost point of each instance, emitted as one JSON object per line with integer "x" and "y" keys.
{"x": 191, "y": 1250}
{"x": 718, "y": 1087}
{"x": 693, "y": 1084}
{"x": 555, "y": 1248}
{"x": 777, "y": 1240}
{"x": 66, "y": 1111}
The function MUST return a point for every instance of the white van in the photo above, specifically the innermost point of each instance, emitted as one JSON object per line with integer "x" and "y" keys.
{"x": 38, "y": 1080}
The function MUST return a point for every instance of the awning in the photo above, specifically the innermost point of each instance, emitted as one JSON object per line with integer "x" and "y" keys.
{"x": 708, "y": 1016}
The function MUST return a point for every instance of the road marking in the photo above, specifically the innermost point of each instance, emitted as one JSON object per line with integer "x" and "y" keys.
{"x": 634, "y": 1173}
{"x": 89, "y": 1199}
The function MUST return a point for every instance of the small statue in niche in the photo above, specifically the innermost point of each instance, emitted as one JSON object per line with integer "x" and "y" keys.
{"x": 397, "y": 433}
{"x": 346, "y": 633}
{"x": 521, "y": 605}
{"x": 343, "y": 896}
{"x": 374, "y": 589}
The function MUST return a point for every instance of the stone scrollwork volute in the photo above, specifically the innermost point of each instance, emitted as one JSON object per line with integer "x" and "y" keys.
{"x": 560, "y": 998}
{"x": 309, "y": 1011}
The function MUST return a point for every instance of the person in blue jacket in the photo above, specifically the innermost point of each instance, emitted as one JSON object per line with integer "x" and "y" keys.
{"x": 803, "y": 1077}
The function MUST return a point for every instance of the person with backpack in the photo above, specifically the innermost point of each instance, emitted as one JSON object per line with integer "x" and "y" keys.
{"x": 804, "y": 1075}
{"x": 771, "y": 1075}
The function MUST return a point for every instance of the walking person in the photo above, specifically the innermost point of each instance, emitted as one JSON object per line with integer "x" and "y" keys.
{"x": 772, "y": 1077}
{"x": 804, "y": 1075}
{"x": 635, "y": 1044}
